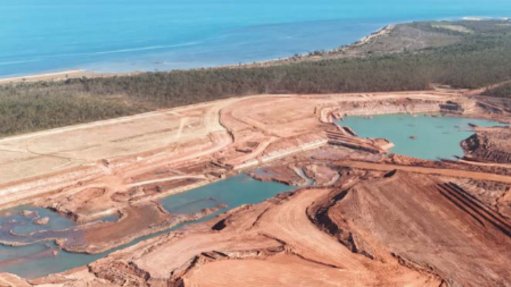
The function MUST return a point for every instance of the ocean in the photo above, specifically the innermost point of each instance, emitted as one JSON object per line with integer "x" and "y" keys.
{"x": 40, "y": 36}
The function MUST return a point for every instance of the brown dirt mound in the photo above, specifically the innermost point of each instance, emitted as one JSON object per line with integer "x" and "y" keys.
{"x": 426, "y": 224}
{"x": 489, "y": 145}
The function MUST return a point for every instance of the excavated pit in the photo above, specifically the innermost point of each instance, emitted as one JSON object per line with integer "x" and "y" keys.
{"x": 360, "y": 218}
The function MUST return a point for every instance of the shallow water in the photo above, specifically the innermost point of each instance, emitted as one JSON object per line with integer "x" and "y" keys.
{"x": 27, "y": 224}
{"x": 419, "y": 136}
{"x": 122, "y": 35}
{"x": 36, "y": 259}
{"x": 233, "y": 192}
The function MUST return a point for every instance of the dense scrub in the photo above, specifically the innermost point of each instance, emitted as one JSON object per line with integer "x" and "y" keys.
{"x": 44, "y": 105}
{"x": 482, "y": 58}
{"x": 500, "y": 92}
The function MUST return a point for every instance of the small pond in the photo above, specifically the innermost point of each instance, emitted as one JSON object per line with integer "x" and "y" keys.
{"x": 42, "y": 256}
{"x": 420, "y": 136}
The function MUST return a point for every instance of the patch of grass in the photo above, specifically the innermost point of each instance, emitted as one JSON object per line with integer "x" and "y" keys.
{"x": 503, "y": 91}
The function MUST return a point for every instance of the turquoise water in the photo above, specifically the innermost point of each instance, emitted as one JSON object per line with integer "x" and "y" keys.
{"x": 37, "y": 259}
{"x": 233, "y": 192}
{"x": 419, "y": 136}
{"x": 26, "y": 224}
{"x": 121, "y": 35}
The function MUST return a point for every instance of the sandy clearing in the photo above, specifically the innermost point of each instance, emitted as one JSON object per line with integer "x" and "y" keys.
{"x": 135, "y": 158}
{"x": 55, "y": 76}
{"x": 39, "y": 153}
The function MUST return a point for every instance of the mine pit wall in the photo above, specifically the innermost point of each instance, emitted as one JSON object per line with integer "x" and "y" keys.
{"x": 394, "y": 109}
{"x": 354, "y": 146}
{"x": 332, "y": 113}
{"x": 24, "y": 191}
{"x": 406, "y": 106}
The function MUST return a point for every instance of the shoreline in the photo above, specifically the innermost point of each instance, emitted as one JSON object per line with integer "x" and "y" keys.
{"x": 79, "y": 73}
{"x": 72, "y": 73}
{"x": 48, "y": 75}
{"x": 337, "y": 181}
{"x": 62, "y": 76}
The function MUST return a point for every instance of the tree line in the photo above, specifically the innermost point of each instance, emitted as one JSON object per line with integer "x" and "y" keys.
{"x": 479, "y": 60}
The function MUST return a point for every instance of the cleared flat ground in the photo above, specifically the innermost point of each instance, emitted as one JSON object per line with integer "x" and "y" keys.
{"x": 55, "y": 150}
{"x": 334, "y": 230}
{"x": 52, "y": 151}
{"x": 100, "y": 168}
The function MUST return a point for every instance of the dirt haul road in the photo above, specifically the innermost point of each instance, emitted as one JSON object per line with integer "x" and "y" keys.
{"x": 231, "y": 131}
{"x": 399, "y": 229}
{"x": 431, "y": 171}
{"x": 335, "y": 231}
{"x": 271, "y": 244}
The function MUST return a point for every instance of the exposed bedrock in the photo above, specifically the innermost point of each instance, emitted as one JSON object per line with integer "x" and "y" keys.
{"x": 392, "y": 106}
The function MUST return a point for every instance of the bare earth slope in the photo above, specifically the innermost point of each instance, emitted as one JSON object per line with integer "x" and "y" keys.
{"x": 489, "y": 145}
{"x": 271, "y": 244}
{"x": 397, "y": 230}
{"x": 370, "y": 219}
{"x": 431, "y": 224}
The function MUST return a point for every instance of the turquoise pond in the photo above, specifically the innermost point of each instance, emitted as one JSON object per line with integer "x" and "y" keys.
{"x": 126, "y": 35}
{"x": 419, "y": 136}
{"x": 433, "y": 138}
{"x": 41, "y": 256}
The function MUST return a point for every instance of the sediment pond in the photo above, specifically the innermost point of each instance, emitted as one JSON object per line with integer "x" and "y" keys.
{"x": 35, "y": 229}
{"x": 40, "y": 256}
{"x": 420, "y": 136}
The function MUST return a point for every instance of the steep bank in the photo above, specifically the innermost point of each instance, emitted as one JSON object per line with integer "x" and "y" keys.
{"x": 295, "y": 140}
{"x": 491, "y": 145}
{"x": 386, "y": 227}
